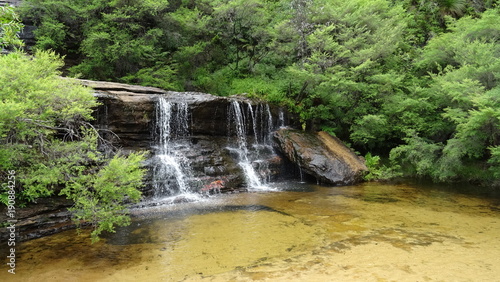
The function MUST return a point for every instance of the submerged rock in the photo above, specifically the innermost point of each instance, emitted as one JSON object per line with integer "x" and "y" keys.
{"x": 321, "y": 155}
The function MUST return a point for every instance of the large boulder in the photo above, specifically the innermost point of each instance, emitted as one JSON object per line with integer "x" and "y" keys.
{"x": 321, "y": 155}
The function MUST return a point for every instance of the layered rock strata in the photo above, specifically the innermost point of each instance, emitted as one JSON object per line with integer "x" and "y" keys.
{"x": 321, "y": 155}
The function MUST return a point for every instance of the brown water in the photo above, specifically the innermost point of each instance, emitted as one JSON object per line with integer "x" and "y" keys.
{"x": 370, "y": 232}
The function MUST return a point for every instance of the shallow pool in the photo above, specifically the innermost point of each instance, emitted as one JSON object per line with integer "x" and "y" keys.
{"x": 300, "y": 232}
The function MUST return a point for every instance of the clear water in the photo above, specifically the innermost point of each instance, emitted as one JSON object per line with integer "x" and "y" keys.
{"x": 301, "y": 232}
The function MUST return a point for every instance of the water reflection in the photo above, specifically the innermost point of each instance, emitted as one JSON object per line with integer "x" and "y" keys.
{"x": 368, "y": 232}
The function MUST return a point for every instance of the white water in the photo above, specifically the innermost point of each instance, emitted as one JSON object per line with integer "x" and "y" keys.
{"x": 249, "y": 159}
{"x": 172, "y": 172}
{"x": 267, "y": 137}
{"x": 171, "y": 167}
{"x": 281, "y": 119}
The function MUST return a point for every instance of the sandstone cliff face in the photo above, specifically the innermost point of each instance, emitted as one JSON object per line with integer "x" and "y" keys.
{"x": 321, "y": 155}
{"x": 129, "y": 112}
{"x": 127, "y": 118}
{"x": 125, "y": 114}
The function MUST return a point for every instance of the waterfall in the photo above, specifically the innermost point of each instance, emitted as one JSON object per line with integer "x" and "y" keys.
{"x": 171, "y": 169}
{"x": 281, "y": 118}
{"x": 183, "y": 164}
{"x": 250, "y": 160}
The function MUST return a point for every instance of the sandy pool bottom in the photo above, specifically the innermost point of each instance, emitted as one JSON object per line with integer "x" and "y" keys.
{"x": 370, "y": 232}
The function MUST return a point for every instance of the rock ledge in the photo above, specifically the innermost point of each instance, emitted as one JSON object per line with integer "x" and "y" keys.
{"x": 321, "y": 155}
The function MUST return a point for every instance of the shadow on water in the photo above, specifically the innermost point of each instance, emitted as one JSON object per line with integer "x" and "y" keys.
{"x": 449, "y": 191}
{"x": 454, "y": 188}
{"x": 412, "y": 190}
{"x": 137, "y": 232}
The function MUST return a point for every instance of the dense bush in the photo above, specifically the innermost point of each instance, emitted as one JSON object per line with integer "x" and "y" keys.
{"x": 46, "y": 138}
{"x": 415, "y": 82}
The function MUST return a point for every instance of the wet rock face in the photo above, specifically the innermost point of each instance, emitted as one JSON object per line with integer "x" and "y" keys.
{"x": 48, "y": 216}
{"x": 321, "y": 155}
{"x": 129, "y": 112}
{"x": 209, "y": 161}
{"x": 128, "y": 118}
{"x": 10, "y": 2}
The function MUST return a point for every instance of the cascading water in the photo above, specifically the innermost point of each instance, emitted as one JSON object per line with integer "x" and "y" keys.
{"x": 171, "y": 170}
{"x": 281, "y": 119}
{"x": 183, "y": 165}
{"x": 254, "y": 167}
{"x": 264, "y": 124}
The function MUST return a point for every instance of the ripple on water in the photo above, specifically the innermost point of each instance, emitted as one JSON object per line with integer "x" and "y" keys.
{"x": 362, "y": 233}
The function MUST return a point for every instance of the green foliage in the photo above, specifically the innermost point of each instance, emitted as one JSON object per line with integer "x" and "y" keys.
{"x": 372, "y": 163}
{"x": 378, "y": 171}
{"x": 370, "y": 128}
{"x": 46, "y": 137}
{"x": 412, "y": 81}
{"x": 35, "y": 101}
{"x": 261, "y": 87}
{"x": 51, "y": 34}
{"x": 471, "y": 42}
{"x": 417, "y": 157}
{"x": 241, "y": 28}
{"x": 495, "y": 161}
{"x": 160, "y": 75}
{"x": 345, "y": 72}
{"x": 100, "y": 198}
{"x": 10, "y": 26}
{"x": 464, "y": 91}
{"x": 115, "y": 39}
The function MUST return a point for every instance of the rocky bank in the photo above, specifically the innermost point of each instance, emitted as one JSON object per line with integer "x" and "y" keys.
{"x": 127, "y": 117}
